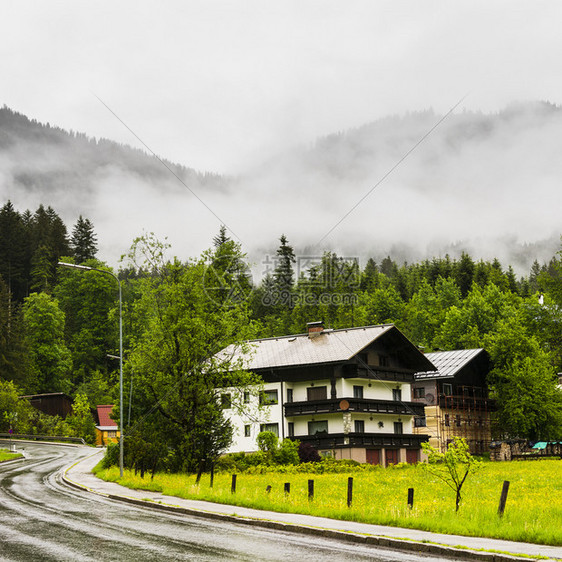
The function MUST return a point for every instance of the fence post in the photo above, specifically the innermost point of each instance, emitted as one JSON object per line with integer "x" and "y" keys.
{"x": 410, "y": 497}
{"x": 349, "y": 491}
{"x": 287, "y": 488}
{"x": 233, "y": 486}
{"x": 503, "y": 498}
{"x": 310, "y": 490}
{"x": 212, "y": 474}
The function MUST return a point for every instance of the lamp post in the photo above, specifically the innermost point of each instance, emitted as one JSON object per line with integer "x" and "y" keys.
{"x": 86, "y": 268}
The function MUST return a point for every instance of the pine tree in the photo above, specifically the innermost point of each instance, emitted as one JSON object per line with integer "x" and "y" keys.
{"x": 370, "y": 277}
{"x": 464, "y": 272}
{"x": 284, "y": 275}
{"x": 221, "y": 238}
{"x": 12, "y": 258}
{"x": 42, "y": 269}
{"x": 83, "y": 242}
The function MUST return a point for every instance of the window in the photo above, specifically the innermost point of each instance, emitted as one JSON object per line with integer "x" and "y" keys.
{"x": 111, "y": 434}
{"x": 359, "y": 426}
{"x": 226, "y": 401}
{"x": 316, "y": 427}
{"x": 357, "y": 392}
{"x": 289, "y": 395}
{"x": 273, "y": 427}
{"x": 291, "y": 429}
{"x": 458, "y": 420}
{"x": 447, "y": 389}
{"x": 420, "y": 421}
{"x": 269, "y": 397}
{"x": 398, "y": 428}
{"x": 246, "y": 397}
{"x": 317, "y": 393}
{"x": 447, "y": 420}
{"x": 397, "y": 395}
{"x": 247, "y": 430}
{"x": 419, "y": 392}
{"x": 383, "y": 361}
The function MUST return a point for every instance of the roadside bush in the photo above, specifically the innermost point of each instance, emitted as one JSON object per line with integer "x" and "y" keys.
{"x": 43, "y": 424}
{"x": 111, "y": 457}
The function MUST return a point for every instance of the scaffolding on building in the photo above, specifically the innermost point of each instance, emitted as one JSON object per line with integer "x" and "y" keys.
{"x": 466, "y": 415}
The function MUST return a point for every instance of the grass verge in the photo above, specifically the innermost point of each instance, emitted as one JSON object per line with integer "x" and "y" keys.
{"x": 6, "y": 455}
{"x": 533, "y": 512}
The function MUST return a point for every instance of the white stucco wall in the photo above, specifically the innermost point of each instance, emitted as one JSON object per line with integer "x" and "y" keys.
{"x": 249, "y": 414}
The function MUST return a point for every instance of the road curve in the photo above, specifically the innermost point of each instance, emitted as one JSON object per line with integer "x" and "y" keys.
{"x": 42, "y": 518}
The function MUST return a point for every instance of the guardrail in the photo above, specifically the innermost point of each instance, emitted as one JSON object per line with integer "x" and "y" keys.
{"x": 27, "y": 437}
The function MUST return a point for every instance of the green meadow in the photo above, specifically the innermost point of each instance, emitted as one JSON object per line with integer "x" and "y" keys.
{"x": 533, "y": 512}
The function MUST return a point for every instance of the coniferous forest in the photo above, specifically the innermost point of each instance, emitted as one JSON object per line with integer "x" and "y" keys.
{"x": 59, "y": 326}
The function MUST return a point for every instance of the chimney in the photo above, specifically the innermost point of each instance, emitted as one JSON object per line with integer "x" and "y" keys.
{"x": 315, "y": 328}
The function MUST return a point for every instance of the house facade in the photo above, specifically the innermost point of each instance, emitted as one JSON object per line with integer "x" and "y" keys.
{"x": 456, "y": 399}
{"x": 346, "y": 392}
{"x": 107, "y": 430}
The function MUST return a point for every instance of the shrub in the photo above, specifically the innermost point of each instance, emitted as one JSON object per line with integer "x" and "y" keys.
{"x": 307, "y": 453}
{"x": 267, "y": 442}
{"x": 287, "y": 453}
{"x": 111, "y": 457}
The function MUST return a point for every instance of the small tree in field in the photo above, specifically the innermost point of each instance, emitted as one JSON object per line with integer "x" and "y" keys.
{"x": 453, "y": 466}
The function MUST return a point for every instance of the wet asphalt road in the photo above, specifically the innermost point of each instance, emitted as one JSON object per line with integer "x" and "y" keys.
{"x": 41, "y": 518}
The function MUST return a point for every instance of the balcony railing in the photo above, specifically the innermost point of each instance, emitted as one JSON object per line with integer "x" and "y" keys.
{"x": 363, "y": 405}
{"x": 377, "y": 373}
{"x": 336, "y": 440}
{"x": 461, "y": 402}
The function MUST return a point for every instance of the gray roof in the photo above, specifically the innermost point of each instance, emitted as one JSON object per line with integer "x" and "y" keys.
{"x": 448, "y": 363}
{"x": 329, "y": 346}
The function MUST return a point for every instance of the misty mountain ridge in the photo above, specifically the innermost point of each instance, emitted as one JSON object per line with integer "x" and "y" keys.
{"x": 485, "y": 183}
{"x": 45, "y": 158}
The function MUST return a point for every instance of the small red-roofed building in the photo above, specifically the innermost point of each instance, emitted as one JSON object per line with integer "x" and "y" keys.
{"x": 107, "y": 430}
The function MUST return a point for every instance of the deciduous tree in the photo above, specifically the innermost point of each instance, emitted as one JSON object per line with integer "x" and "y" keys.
{"x": 180, "y": 330}
{"x": 453, "y": 466}
{"x": 44, "y": 332}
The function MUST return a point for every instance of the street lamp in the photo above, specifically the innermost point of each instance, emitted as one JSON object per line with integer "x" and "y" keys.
{"x": 86, "y": 268}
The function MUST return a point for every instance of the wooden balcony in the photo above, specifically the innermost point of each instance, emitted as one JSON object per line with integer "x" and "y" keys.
{"x": 377, "y": 373}
{"x": 362, "y": 405}
{"x": 377, "y": 440}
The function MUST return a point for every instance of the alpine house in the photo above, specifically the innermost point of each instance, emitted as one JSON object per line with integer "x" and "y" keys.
{"x": 346, "y": 392}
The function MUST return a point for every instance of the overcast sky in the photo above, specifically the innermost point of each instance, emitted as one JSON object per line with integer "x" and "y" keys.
{"x": 222, "y": 85}
{"x": 217, "y": 84}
